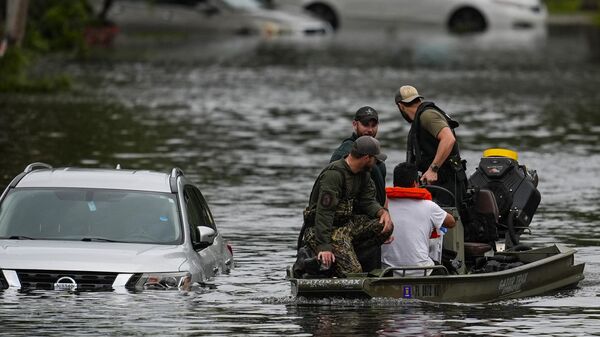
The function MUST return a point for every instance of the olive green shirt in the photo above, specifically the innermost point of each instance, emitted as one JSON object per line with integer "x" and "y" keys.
{"x": 329, "y": 190}
{"x": 433, "y": 122}
{"x": 378, "y": 172}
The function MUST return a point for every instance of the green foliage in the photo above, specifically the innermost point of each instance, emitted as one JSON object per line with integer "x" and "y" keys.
{"x": 39, "y": 85}
{"x": 13, "y": 66}
{"x": 571, "y": 6}
{"x": 57, "y": 25}
{"x": 576, "y": 6}
{"x": 52, "y": 26}
{"x": 563, "y": 6}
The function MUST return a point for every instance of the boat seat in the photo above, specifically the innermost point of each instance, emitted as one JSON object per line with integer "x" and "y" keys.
{"x": 483, "y": 226}
{"x": 476, "y": 248}
{"x": 486, "y": 204}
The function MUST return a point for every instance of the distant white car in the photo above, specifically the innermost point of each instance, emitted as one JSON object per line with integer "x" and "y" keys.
{"x": 247, "y": 17}
{"x": 456, "y": 15}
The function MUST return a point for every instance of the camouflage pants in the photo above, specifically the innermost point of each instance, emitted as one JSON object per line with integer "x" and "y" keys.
{"x": 360, "y": 229}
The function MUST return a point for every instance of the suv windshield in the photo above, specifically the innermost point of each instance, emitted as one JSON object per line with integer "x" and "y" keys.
{"x": 90, "y": 215}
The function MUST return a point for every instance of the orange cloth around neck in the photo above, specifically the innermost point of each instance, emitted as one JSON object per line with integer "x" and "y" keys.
{"x": 411, "y": 193}
{"x": 408, "y": 193}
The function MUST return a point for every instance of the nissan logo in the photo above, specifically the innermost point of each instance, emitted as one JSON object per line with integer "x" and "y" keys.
{"x": 65, "y": 283}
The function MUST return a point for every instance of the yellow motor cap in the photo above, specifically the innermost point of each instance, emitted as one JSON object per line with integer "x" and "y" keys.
{"x": 501, "y": 153}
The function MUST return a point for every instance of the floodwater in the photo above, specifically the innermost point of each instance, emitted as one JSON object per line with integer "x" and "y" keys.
{"x": 252, "y": 121}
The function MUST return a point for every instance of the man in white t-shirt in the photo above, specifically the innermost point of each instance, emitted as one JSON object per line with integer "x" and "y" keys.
{"x": 415, "y": 216}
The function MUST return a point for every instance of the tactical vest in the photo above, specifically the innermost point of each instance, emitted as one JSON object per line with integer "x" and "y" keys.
{"x": 345, "y": 207}
{"x": 377, "y": 173}
{"x": 422, "y": 146}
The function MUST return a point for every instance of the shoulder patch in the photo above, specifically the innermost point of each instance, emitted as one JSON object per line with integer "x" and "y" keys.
{"x": 326, "y": 199}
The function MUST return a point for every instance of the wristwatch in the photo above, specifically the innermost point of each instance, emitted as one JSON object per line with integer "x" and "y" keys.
{"x": 434, "y": 167}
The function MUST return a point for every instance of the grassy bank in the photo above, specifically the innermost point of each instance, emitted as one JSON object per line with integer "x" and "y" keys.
{"x": 590, "y": 8}
{"x": 563, "y": 6}
{"x": 15, "y": 68}
{"x": 572, "y": 6}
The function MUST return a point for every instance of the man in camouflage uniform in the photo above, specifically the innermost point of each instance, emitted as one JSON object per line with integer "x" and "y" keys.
{"x": 343, "y": 209}
{"x": 366, "y": 123}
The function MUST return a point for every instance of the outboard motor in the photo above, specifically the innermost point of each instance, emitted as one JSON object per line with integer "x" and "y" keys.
{"x": 514, "y": 188}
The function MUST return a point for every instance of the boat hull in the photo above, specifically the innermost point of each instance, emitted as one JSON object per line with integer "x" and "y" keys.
{"x": 545, "y": 270}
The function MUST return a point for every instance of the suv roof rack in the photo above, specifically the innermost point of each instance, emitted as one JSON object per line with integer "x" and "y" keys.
{"x": 175, "y": 173}
{"x": 29, "y": 168}
{"x": 36, "y": 165}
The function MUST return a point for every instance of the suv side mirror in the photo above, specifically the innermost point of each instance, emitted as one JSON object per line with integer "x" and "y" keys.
{"x": 207, "y": 235}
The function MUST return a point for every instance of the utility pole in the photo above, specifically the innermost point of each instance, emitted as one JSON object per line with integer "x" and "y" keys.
{"x": 16, "y": 19}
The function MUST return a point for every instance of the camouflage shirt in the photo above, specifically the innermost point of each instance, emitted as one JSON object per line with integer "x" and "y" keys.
{"x": 336, "y": 186}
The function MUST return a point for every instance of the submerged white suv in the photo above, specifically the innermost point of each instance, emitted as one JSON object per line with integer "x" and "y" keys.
{"x": 103, "y": 229}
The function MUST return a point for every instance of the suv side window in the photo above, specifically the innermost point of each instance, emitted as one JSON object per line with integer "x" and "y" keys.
{"x": 197, "y": 211}
{"x": 205, "y": 215}
{"x": 193, "y": 212}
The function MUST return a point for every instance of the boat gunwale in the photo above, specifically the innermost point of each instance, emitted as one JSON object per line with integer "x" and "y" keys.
{"x": 562, "y": 253}
{"x": 360, "y": 285}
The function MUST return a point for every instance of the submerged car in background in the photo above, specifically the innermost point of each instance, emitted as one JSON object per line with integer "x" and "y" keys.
{"x": 247, "y": 17}
{"x": 456, "y": 15}
{"x": 101, "y": 230}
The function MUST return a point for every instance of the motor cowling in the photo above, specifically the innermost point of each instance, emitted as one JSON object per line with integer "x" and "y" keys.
{"x": 514, "y": 188}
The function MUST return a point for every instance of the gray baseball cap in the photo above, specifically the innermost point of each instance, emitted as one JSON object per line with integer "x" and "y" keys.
{"x": 369, "y": 146}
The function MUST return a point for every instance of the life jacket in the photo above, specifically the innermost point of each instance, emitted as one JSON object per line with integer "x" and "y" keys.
{"x": 422, "y": 146}
{"x": 411, "y": 193}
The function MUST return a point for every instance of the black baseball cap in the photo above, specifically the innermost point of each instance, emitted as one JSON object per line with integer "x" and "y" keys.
{"x": 366, "y": 114}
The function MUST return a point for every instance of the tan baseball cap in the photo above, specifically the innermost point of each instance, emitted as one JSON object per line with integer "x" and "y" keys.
{"x": 407, "y": 94}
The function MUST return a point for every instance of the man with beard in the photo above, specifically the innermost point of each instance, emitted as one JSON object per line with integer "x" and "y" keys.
{"x": 365, "y": 123}
{"x": 432, "y": 145}
{"x": 342, "y": 209}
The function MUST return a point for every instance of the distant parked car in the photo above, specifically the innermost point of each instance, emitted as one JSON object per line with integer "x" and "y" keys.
{"x": 456, "y": 15}
{"x": 102, "y": 229}
{"x": 249, "y": 17}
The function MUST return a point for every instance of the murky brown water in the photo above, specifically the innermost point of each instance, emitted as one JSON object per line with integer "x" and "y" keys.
{"x": 253, "y": 122}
